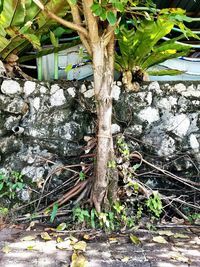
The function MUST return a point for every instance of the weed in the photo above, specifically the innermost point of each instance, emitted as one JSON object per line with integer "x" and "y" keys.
{"x": 112, "y": 220}
{"x": 81, "y": 176}
{"x": 154, "y": 204}
{"x": 123, "y": 148}
{"x": 11, "y": 184}
{"x": 3, "y": 212}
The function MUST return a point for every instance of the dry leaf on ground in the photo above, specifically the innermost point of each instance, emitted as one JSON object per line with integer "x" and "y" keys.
{"x": 159, "y": 239}
{"x": 179, "y": 235}
{"x": 28, "y": 238}
{"x": 45, "y": 236}
{"x": 135, "y": 240}
{"x": 81, "y": 245}
{"x": 78, "y": 260}
{"x": 165, "y": 232}
{"x": 6, "y": 249}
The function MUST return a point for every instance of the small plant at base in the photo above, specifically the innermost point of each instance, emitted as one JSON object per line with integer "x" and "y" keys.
{"x": 139, "y": 212}
{"x": 123, "y": 148}
{"x": 81, "y": 215}
{"x": 3, "y": 212}
{"x": 154, "y": 204}
{"x": 111, "y": 220}
{"x": 81, "y": 176}
{"x": 11, "y": 184}
{"x": 112, "y": 164}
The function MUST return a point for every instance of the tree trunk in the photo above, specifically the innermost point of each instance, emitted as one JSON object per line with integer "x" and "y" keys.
{"x": 103, "y": 83}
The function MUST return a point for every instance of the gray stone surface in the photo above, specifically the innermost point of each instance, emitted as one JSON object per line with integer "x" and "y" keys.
{"x": 41, "y": 121}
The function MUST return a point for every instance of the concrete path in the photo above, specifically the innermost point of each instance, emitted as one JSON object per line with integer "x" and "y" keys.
{"x": 163, "y": 248}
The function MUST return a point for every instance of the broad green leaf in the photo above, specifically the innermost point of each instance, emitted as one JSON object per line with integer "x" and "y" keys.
{"x": 98, "y": 11}
{"x": 119, "y": 6}
{"x": 33, "y": 39}
{"x": 111, "y": 17}
{"x": 170, "y": 72}
{"x": 13, "y": 13}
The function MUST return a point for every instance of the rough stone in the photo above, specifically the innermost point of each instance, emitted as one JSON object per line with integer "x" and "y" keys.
{"x": 149, "y": 114}
{"x": 57, "y": 98}
{"x": 29, "y": 88}
{"x": 10, "y": 88}
{"x": 162, "y": 119}
{"x": 89, "y": 93}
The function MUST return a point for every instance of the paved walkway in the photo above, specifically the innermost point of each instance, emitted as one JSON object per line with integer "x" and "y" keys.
{"x": 180, "y": 248}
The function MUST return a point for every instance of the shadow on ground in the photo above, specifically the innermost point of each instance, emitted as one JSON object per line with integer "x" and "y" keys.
{"x": 181, "y": 248}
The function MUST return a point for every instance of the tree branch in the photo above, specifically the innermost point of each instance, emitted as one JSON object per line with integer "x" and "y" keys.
{"x": 65, "y": 23}
{"x": 91, "y": 21}
{"x": 78, "y": 21}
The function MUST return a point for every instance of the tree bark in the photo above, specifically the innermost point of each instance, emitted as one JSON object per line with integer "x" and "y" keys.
{"x": 103, "y": 83}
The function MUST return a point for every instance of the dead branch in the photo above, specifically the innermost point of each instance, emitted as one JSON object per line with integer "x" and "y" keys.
{"x": 167, "y": 173}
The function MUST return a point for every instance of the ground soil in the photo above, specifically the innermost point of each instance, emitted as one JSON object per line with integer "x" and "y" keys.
{"x": 182, "y": 248}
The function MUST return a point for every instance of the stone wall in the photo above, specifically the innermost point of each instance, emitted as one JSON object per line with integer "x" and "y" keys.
{"x": 42, "y": 125}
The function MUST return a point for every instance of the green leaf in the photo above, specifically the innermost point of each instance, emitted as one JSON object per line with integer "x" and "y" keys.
{"x": 111, "y": 17}
{"x": 92, "y": 218}
{"x": 68, "y": 68}
{"x": 53, "y": 39}
{"x": 81, "y": 176}
{"x": 33, "y": 39}
{"x": 119, "y": 6}
{"x": 165, "y": 72}
{"x": 73, "y": 2}
{"x": 61, "y": 227}
{"x": 98, "y": 11}
{"x": 94, "y": 7}
{"x": 13, "y": 13}
{"x": 54, "y": 212}
{"x": 135, "y": 240}
{"x": 103, "y": 14}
